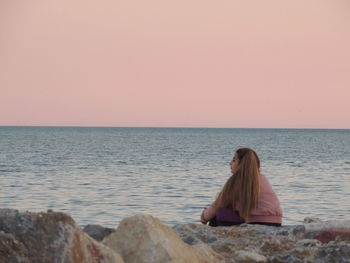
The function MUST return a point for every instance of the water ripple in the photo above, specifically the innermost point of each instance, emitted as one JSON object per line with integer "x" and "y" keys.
{"x": 102, "y": 175}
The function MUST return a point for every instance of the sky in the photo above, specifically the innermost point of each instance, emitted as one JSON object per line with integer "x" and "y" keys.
{"x": 183, "y": 63}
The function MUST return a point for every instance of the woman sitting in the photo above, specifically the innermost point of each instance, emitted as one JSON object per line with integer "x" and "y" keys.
{"x": 247, "y": 196}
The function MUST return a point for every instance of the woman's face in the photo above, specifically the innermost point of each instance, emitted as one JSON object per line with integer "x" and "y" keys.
{"x": 234, "y": 163}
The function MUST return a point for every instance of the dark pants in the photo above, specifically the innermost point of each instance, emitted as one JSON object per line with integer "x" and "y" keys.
{"x": 229, "y": 217}
{"x": 214, "y": 222}
{"x": 226, "y": 217}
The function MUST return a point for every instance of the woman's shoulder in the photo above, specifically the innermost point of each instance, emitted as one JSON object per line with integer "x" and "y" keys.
{"x": 263, "y": 177}
{"x": 264, "y": 182}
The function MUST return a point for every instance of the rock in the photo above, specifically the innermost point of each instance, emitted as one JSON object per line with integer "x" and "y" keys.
{"x": 48, "y": 237}
{"x": 308, "y": 220}
{"x": 334, "y": 253}
{"x": 143, "y": 238}
{"x": 27, "y": 237}
{"x": 299, "y": 231}
{"x": 333, "y": 234}
{"x": 308, "y": 243}
{"x": 258, "y": 243}
{"x": 11, "y": 250}
{"x": 314, "y": 229}
{"x": 246, "y": 256}
{"x": 98, "y": 232}
{"x": 234, "y": 242}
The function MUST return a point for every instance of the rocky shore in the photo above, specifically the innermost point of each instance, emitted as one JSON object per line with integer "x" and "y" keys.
{"x": 55, "y": 237}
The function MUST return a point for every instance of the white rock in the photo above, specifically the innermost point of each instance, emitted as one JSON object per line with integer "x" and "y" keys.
{"x": 248, "y": 256}
{"x": 143, "y": 238}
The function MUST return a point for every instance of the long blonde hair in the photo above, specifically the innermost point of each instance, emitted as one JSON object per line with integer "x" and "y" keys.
{"x": 244, "y": 184}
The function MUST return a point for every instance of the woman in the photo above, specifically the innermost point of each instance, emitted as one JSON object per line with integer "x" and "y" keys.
{"x": 247, "y": 196}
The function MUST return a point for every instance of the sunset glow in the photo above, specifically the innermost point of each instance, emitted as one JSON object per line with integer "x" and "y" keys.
{"x": 259, "y": 64}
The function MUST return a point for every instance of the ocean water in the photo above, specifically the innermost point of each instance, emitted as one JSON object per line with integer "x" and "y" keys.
{"x": 102, "y": 175}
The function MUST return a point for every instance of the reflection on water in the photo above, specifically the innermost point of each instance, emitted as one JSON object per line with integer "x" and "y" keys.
{"x": 101, "y": 175}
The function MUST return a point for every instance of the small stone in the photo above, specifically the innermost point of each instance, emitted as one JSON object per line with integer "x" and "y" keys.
{"x": 97, "y": 232}
{"x": 308, "y": 243}
{"x": 189, "y": 240}
{"x": 243, "y": 256}
{"x": 308, "y": 220}
{"x": 298, "y": 231}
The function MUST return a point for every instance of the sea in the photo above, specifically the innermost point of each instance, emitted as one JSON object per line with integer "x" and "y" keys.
{"x": 101, "y": 175}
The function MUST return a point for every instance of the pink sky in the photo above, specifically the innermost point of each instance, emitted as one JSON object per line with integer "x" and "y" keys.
{"x": 183, "y": 63}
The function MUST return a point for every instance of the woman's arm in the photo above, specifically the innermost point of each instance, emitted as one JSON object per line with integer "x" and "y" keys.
{"x": 208, "y": 213}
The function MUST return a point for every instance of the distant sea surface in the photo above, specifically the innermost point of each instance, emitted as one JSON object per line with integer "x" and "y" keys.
{"x": 102, "y": 175}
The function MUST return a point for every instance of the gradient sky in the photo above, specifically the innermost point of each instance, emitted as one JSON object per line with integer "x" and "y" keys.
{"x": 183, "y": 63}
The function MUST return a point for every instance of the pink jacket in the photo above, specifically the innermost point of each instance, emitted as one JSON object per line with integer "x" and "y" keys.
{"x": 268, "y": 211}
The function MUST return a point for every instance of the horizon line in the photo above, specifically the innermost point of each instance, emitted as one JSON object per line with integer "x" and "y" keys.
{"x": 170, "y": 127}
